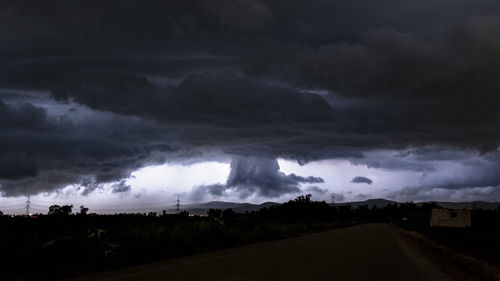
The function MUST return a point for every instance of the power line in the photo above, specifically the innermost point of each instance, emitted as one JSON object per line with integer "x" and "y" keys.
{"x": 13, "y": 205}
{"x": 39, "y": 204}
{"x": 128, "y": 209}
{"x": 14, "y": 209}
{"x": 89, "y": 204}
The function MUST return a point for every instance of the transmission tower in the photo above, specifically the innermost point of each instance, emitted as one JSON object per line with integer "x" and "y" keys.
{"x": 28, "y": 202}
{"x": 178, "y": 205}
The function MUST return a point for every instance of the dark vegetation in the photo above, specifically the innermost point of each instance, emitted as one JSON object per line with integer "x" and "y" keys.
{"x": 481, "y": 241}
{"x": 62, "y": 244}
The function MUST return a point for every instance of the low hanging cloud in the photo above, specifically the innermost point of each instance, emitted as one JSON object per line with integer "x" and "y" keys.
{"x": 471, "y": 177}
{"x": 337, "y": 197}
{"x": 121, "y": 187}
{"x": 360, "y": 179}
{"x": 435, "y": 193}
{"x": 255, "y": 176}
{"x": 316, "y": 190}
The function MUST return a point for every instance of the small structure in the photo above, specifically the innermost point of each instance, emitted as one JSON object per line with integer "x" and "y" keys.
{"x": 450, "y": 218}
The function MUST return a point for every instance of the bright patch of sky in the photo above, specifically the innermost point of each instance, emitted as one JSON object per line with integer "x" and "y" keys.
{"x": 155, "y": 188}
{"x": 338, "y": 174}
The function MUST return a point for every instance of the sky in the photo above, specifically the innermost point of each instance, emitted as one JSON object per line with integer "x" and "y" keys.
{"x": 122, "y": 105}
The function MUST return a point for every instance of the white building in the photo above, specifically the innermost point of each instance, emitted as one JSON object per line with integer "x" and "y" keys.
{"x": 450, "y": 218}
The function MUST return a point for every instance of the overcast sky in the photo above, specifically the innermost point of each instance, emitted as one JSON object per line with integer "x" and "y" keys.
{"x": 135, "y": 102}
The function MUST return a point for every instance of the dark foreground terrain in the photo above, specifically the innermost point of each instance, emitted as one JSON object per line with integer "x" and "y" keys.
{"x": 365, "y": 252}
{"x": 62, "y": 244}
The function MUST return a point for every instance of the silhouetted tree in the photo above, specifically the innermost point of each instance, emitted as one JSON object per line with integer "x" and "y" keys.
{"x": 83, "y": 210}
{"x": 303, "y": 199}
{"x": 228, "y": 215}
{"x": 214, "y": 213}
{"x": 56, "y": 210}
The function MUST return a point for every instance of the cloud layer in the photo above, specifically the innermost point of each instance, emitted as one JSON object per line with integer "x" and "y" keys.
{"x": 248, "y": 80}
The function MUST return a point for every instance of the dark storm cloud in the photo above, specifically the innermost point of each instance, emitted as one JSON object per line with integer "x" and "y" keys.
{"x": 255, "y": 176}
{"x": 460, "y": 179}
{"x": 263, "y": 176}
{"x": 246, "y": 15}
{"x": 41, "y": 153}
{"x": 430, "y": 153}
{"x": 468, "y": 174}
{"x": 24, "y": 116}
{"x": 423, "y": 193}
{"x": 120, "y": 187}
{"x": 394, "y": 164}
{"x": 199, "y": 193}
{"x": 99, "y": 24}
{"x": 317, "y": 190}
{"x": 89, "y": 185}
{"x": 236, "y": 77}
{"x": 418, "y": 86}
{"x": 359, "y": 179}
{"x": 14, "y": 167}
{"x": 390, "y": 63}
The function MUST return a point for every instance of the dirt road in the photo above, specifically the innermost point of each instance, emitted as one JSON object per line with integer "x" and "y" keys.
{"x": 364, "y": 252}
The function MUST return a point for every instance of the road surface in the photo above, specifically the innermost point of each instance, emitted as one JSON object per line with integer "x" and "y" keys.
{"x": 364, "y": 252}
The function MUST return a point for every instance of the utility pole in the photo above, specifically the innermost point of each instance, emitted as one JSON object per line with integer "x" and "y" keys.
{"x": 28, "y": 202}
{"x": 178, "y": 205}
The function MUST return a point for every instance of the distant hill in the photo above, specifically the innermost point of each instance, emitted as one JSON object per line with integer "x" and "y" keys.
{"x": 202, "y": 208}
{"x": 469, "y": 205}
{"x": 380, "y": 203}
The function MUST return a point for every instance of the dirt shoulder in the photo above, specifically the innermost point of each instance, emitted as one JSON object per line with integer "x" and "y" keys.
{"x": 457, "y": 265}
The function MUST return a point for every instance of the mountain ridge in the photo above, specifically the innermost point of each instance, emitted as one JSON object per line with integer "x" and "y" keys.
{"x": 202, "y": 208}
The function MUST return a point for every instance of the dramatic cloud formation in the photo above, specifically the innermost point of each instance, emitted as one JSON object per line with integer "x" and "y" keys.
{"x": 91, "y": 91}
{"x": 255, "y": 176}
{"x": 361, "y": 180}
